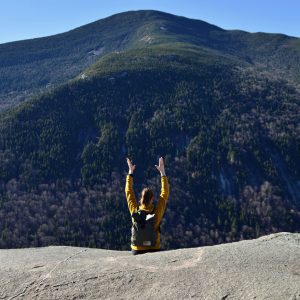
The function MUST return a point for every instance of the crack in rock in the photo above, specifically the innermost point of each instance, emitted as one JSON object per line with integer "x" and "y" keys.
{"x": 60, "y": 262}
{"x": 24, "y": 290}
{"x": 22, "y": 293}
{"x": 64, "y": 283}
{"x": 37, "y": 266}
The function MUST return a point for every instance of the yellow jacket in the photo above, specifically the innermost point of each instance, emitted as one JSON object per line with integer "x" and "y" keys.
{"x": 159, "y": 209}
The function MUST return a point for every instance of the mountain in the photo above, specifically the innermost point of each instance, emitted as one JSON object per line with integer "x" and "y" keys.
{"x": 243, "y": 270}
{"x": 222, "y": 107}
{"x": 30, "y": 67}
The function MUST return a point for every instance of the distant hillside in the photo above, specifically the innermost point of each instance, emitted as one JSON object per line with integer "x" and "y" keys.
{"x": 30, "y": 67}
{"x": 228, "y": 128}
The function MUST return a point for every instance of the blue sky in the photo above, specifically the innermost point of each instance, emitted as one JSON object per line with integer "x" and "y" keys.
{"x": 24, "y": 19}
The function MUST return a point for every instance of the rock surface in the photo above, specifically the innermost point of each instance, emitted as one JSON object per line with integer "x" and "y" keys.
{"x": 265, "y": 268}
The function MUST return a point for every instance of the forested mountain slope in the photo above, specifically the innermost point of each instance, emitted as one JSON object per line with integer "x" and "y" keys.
{"x": 228, "y": 129}
{"x": 30, "y": 67}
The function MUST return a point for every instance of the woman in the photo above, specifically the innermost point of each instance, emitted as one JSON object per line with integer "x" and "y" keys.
{"x": 146, "y": 218}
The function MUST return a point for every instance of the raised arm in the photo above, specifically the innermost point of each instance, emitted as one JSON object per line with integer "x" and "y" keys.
{"x": 164, "y": 193}
{"x": 130, "y": 197}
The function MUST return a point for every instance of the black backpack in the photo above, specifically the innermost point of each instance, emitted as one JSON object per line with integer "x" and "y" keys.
{"x": 142, "y": 231}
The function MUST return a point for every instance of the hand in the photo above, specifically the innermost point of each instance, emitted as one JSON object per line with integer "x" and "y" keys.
{"x": 161, "y": 167}
{"x": 130, "y": 166}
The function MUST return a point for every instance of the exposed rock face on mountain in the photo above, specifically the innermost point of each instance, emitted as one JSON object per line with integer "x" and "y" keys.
{"x": 265, "y": 268}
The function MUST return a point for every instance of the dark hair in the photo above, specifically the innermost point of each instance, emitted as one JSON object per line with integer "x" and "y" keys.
{"x": 147, "y": 195}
